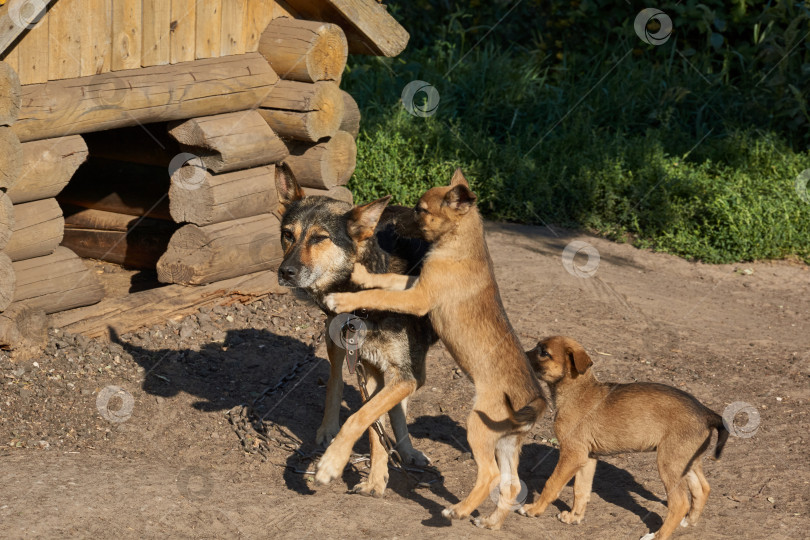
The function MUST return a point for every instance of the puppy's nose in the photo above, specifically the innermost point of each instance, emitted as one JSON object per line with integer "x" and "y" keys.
{"x": 288, "y": 271}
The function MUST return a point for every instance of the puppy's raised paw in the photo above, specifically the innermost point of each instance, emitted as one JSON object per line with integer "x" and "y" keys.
{"x": 415, "y": 457}
{"x": 569, "y": 517}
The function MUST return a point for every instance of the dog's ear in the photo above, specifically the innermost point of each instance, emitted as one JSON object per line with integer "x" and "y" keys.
{"x": 578, "y": 358}
{"x": 288, "y": 189}
{"x": 458, "y": 179}
{"x": 363, "y": 219}
{"x": 460, "y": 198}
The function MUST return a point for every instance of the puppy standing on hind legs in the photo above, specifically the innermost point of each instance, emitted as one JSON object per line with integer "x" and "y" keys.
{"x": 457, "y": 289}
{"x": 595, "y": 418}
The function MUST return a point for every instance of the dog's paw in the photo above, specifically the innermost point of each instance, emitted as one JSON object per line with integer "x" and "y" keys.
{"x": 326, "y": 433}
{"x": 487, "y": 523}
{"x": 648, "y": 536}
{"x": 329, "y": 468}
{"x": 570, "y": 517}
{"x": 451, "y": 513}
{"x": 360, "y": 275}
{"x": 370, "y": 488}
{"x": 415, "y": 457}
{"x": 339, "y": 302}
{"x": 528, "y": 511}
{"x": 684, "y": 522}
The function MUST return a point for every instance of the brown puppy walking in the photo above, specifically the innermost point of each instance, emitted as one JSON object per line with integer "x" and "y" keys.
{"x": 595, "y": 418}
{"x": 457, "y": 289}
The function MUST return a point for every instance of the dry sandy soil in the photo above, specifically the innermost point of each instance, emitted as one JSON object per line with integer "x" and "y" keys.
{"x": 168, "y": 463}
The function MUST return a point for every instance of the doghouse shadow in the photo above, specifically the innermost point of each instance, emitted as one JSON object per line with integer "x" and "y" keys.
{"x": 611, "y": 483}
{"x": 239, "y": 369}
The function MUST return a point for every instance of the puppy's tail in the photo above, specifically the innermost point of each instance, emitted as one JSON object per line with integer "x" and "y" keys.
{"x": 525, "y": 417}
{"x": 716, "y": 422}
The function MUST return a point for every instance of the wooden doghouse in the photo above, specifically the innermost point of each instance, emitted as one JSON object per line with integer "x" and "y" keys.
{"x": 145, "y": 133}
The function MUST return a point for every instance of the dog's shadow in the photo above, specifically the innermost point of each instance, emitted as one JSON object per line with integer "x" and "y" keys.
{"x": 238, "y": 369}
{"x": 612, "y": 484}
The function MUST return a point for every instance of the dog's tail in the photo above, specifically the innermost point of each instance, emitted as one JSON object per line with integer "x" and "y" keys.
{"x": 716, "y": 422}
{"x": 525, "y": 417}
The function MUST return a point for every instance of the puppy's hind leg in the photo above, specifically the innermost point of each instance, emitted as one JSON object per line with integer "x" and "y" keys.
{"x": 699, "y": 488}
{"x": 482, "y": 443}
{"x": 671, "y": 470}
{"x": 507, "y": 454}
{"x": 334, "y": 393}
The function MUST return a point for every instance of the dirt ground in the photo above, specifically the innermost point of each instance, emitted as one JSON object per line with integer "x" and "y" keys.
{"x": 161, "y": 460}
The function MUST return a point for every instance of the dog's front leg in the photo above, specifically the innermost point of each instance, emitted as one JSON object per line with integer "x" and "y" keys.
{"x": 334, "y": 392}
{"x": 392, "y": 282}
{"x": 337, "y": 455}
{"x": 567, "y": 466}
{"x": 412, "y": 301}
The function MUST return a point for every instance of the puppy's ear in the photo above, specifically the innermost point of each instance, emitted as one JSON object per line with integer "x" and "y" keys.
{"x": 363, "y": 219}
{"x": 460, "y": 198}
{"x": 288, "y": 189}
{"x": 458, "y": 179}
{"x": 578, "y": 357}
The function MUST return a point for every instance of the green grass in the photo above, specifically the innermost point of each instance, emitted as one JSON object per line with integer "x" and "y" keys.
{"x": 635, "y": 144}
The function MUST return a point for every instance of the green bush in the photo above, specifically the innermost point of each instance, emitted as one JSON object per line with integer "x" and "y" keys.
{"x": 562, "y": 115}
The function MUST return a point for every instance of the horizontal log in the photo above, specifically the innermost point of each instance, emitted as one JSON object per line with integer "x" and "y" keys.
{"x": 156, "y": 306}
{"x": 56, "y": 282}
{"x": 231, "y": 141}
{"x": 9, "y": 95}
{"x": 8, "y": 281}
{"x": 199, "y": 197}
{"x": 120, "y": 187}
{"x": 145, "y": 95}
{"x": 146, "y": 145}
{"x": 323, "y": 165}
{"x": 49, "y": 165}
{"x": 11, "y": 158}
{"x": 340, "y": 193}
{"x": 303, "y": 50}
{"x": 6, "y": 219}
{"x": 37, "y": 231}
{"x": 23, "y": 328}
{"x": 304, "y": 111}
{"x": 130, "y": 241}
{"x": 199, "y": 255}
{"x": 351, "y": 115}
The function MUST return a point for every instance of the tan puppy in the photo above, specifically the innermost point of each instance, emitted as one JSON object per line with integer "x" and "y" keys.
{"x": 457, "y": 289}
{"x": 595, "y": 418}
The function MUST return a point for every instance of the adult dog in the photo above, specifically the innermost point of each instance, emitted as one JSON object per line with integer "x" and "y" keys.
{"x": 323, "y": 239}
